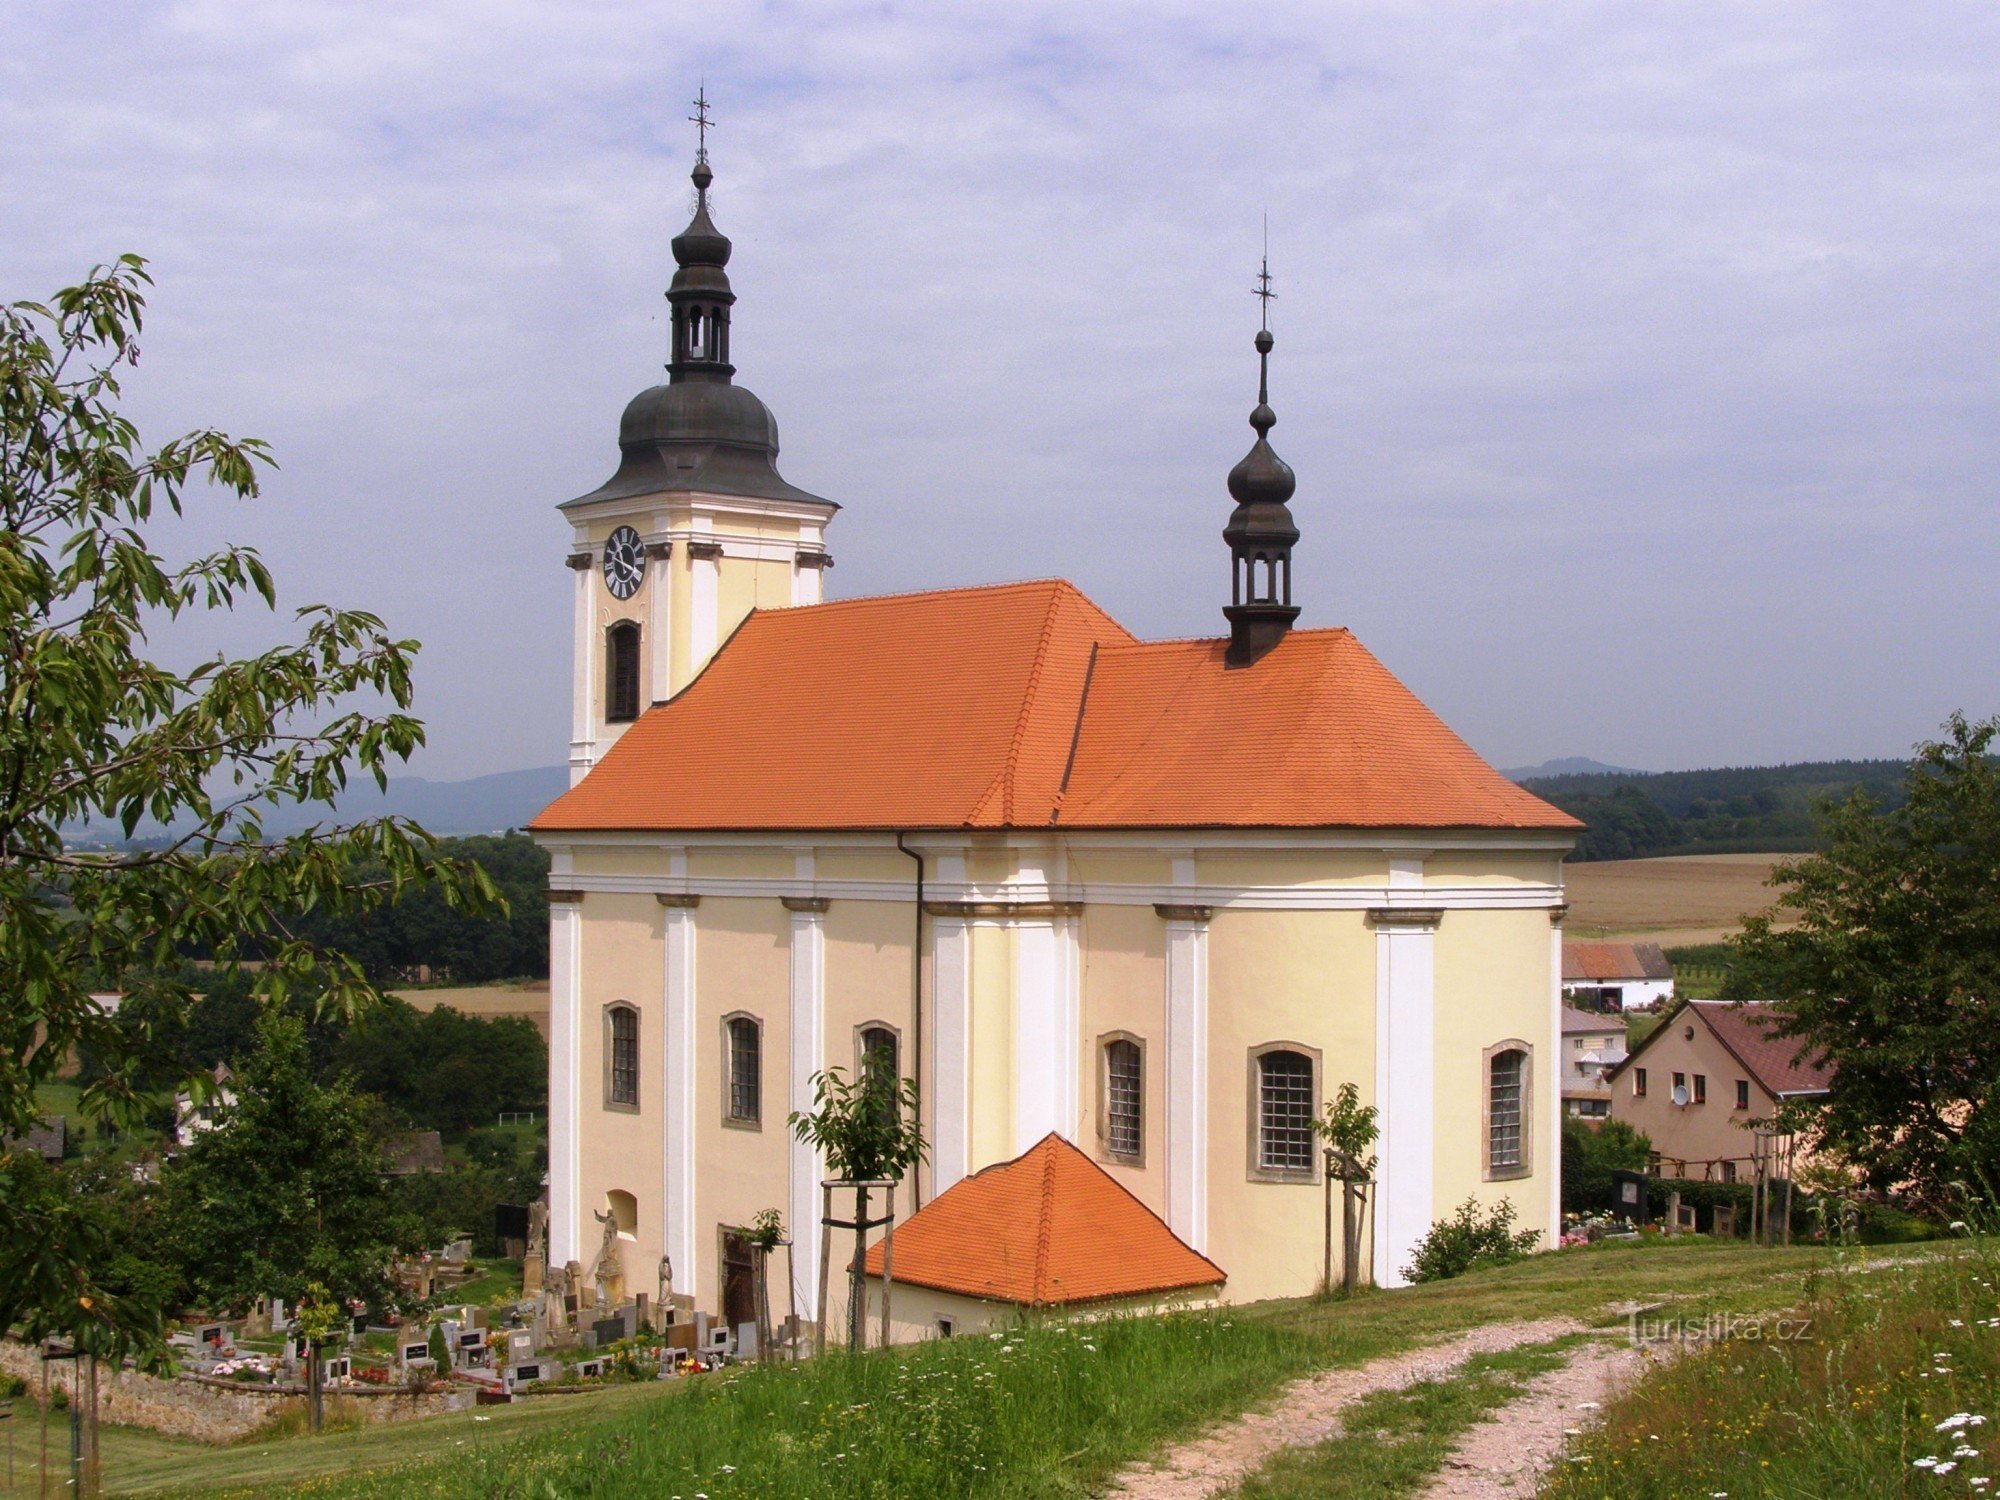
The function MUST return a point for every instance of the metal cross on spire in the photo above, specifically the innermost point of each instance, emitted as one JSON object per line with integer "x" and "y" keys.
{"x": 1262, "y": 292}
{"x": 701, "y": 122}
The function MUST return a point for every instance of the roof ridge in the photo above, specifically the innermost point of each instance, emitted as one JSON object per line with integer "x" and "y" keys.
{"x": 959, "y": 588}
{"x": 1045, "y": 1225}
{"x": 1010, "y": 765}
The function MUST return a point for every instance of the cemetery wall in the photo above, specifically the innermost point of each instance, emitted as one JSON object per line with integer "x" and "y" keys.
{"x": 217, "y": 1411}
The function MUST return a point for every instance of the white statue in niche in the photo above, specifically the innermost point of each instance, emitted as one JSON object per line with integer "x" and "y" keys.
{"x": 608, "y": 1271}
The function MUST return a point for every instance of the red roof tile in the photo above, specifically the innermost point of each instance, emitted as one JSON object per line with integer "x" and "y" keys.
{"x": 1048, "y": 1228}
{"x": 1781, "y": 1064}
{"x": 1025, "y": 705}
{"x": 1588, "y": 962}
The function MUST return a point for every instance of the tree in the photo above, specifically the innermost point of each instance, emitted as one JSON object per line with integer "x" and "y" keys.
{"x": 1348, "y": 1134}
{"x": 288, "y": 1191}
{"x": 1591, "y": 1152}
{"x": 868, "y": 1131}
{"x": 93, "y": 732}
{"x": 1892, "y": 973}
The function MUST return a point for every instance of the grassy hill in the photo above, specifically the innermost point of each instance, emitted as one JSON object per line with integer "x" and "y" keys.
{"x": 1730, "y": 810}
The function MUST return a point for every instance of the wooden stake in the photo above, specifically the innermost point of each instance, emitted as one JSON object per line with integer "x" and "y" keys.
{"x": 825, "y": 1261}
{"x": 888, "y": 1245}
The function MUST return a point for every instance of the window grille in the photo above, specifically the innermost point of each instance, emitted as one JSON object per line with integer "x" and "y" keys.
{"x": 1122, "y": 1096}
{"x": 1503, "y": 1131}
{"x": 746, "y": 1083}
{"x": 1284, "y": 1112}
{"x": 624, "y": 1055}
{"x": 621, "y": 673}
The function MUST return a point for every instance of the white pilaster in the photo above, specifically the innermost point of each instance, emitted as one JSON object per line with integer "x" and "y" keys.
{"x": 565, "y": 1054}
{"x": 808, "y": 1034}
{"x": 1187, "y": 1080}
{"x": 1045, "y": 1020}
{"x": 1405, "y": 1074}
{"x": 951, "y": 1052}
{"x": 677, "y": 1088}
{"x": 659, "y": 620}
{"x": 583, "y": 714}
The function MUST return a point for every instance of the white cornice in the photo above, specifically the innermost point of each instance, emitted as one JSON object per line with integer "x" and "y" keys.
{"x": 1529, "y": 897}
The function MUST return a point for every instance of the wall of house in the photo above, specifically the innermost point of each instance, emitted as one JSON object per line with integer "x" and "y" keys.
{"x": 1695, "y": 1133}
{"x": 915, "y": 1312}
{"x": 1634, "y": 994}
{"x": 1034, "y": 955}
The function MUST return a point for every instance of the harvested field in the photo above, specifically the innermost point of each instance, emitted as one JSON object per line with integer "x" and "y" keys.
{"x": 529, "y": 999}
{"x": 1697, "y": 898}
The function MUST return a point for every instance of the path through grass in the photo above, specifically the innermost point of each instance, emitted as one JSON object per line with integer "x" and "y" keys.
{"x": 1048, "y": 1412}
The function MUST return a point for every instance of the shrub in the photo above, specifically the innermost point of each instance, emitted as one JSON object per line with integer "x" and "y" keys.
{"x": 1470, "y": 1239}
{"x": 1591, "y": 1152}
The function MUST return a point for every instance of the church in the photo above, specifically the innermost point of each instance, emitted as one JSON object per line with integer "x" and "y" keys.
{"x": 1159, "y": 899}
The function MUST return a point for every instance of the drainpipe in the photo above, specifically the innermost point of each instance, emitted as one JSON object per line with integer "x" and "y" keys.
{"x": 917, "y": 1010}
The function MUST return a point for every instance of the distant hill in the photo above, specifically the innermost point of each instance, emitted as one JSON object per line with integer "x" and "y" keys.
{"x": 1569, "y": 765}
{"x": 481, "y": 804}
{"x": 1732, "y": 810}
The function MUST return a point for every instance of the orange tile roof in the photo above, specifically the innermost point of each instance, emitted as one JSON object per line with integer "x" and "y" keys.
{"x": 1593, "y": 961}
{"x": 1048, "y": 1228}
{"x": 1025, "y": 705}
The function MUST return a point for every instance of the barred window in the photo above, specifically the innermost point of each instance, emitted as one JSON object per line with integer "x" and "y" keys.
{"x": 1285, "y": 1112}
{"x": 622, "y": 1076}
{"x": 746, "y": 1071}
{"x": 621, "y": 673}
{"x": 1123, "y": 1098}
{"x": 882, "y": 1067}
{"x": 1507, "y": 1075}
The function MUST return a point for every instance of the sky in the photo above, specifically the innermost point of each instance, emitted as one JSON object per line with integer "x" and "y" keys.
{"x": 1638, "y": 363}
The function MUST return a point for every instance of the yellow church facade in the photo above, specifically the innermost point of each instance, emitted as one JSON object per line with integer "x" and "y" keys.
{"x": 1161, "y": 899}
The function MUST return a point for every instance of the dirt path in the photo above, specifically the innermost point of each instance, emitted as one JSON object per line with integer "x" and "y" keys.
{"x": 1309, "y": 1411}
{"x": 1503, "y": 1457}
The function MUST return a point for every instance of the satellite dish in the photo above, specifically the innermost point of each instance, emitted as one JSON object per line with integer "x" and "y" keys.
{"x": 1681, "y": 1095}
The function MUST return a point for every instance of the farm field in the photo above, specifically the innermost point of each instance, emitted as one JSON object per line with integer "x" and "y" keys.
{"x": 516, "y": 997}
{"x": 1127, "y": 1387}
{"x": 1696, "y": 898}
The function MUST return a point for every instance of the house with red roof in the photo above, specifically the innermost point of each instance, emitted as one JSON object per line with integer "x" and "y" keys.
{"x": 1156, "y": 899}
{"x": 1049, "y": 1232}
{"x": 1710, "y": 1072}
{"x": 1616, "y": 976}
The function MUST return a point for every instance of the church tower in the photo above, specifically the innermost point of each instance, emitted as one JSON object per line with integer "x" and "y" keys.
{"x": 697, "y": 527}
{"x": 1260, "y": 532}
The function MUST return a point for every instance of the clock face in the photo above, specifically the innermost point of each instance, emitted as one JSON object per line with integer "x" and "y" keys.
{"x": 624, "y": 562}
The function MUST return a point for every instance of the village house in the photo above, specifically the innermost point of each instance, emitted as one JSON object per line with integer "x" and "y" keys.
{"x": 1159, "y": 899}
{"x": 1616, "y": 976}
{"x": 1699, "y": 1082}
{"x": 1593, "y": 1044}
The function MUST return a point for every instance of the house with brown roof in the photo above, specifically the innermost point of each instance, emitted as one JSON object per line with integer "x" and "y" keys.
{"x": 1049, "y": 1232}
{"x": 1158, "y": 898}
{"x": 1616, "y": 976}
{"x": 1704, "y": 1077}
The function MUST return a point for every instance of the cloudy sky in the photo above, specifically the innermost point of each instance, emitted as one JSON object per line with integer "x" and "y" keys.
{"x": 1637, "y": 362}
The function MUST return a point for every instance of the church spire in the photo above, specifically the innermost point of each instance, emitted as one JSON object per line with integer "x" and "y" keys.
{"x": 1260, "y": 532}
{"x": 699, "y": 293}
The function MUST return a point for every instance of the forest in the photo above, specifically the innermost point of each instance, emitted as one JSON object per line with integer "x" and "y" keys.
{"x": 1733, "y": 810}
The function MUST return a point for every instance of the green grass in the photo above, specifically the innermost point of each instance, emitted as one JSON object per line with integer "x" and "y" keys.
{"x": 1050, "y": 1417}
{"x": 1392, "y": 1442}
{"x": 1849, "y": 1408}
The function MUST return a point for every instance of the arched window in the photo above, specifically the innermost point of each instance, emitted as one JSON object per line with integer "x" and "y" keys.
{"x": 1124, "y": 1098}
{"x": 694, "y": 348}
{"x": 621, "y": 1056}
{"x": 743, "y": 1048}
{"x": 880, "y": 1052}
{"x": 1284, "y": 1113}
{"x": 621, "y": 672}
{"x": 1507, "y": 1110}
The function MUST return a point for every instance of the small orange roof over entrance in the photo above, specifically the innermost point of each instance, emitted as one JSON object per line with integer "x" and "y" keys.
{"x": 1025, "y": 705}
{"x": 1050, "y": 1227}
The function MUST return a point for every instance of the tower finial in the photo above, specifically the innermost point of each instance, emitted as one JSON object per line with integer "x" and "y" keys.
{"x": 701, "y": 122}
{"x": 1260, "y": 532}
